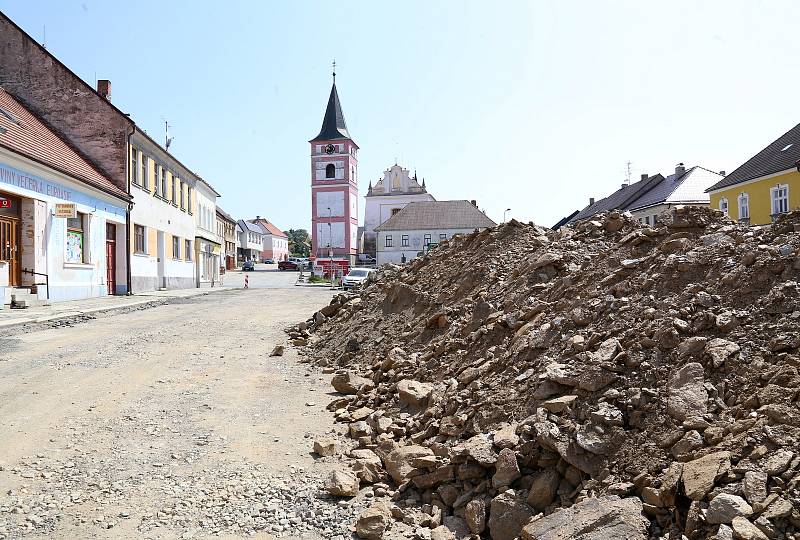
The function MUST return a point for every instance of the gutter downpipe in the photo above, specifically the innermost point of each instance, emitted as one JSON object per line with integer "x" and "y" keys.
{"x": 128, "y": 277}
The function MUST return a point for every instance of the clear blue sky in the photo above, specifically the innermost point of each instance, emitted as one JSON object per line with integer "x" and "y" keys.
{"x": 536, "y": 106}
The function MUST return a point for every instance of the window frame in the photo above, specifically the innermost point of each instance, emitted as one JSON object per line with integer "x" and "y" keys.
{"x": 388, "y": 242}
{"x": 724, "y": 202}
{"x": 744, "y": 205}
{"x": 188, "y": 247}
{"x": 145, "y": 171}
{"x": 404, "y": 240}
{"x": 83, "y": 230}
{"x": 427, "y": 240}
{"x": 442, "y": 237}
{"x": 330, "y": 167}
{"x": 176, "y": 248}
{"x": 775, "y": 201}
{"x": 136, "y": 237}
{"x": 135, "y": 167}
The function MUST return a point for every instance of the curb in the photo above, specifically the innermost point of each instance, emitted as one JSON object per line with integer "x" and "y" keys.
{"x": 156, "y": 300}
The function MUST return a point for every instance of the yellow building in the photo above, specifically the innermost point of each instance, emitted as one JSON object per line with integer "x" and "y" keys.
{"x": 765, "y": 186}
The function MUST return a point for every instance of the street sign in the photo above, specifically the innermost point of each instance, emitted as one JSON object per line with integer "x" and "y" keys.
{"x": 65, "y": 210}
{"x": 5, "y": 203}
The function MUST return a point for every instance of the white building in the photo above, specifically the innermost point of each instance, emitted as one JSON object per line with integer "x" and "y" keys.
{"x": 420, "y": 226}
{"x": 208, "y": 242}
{"x": 62, "y": 223}
{"x": 163, "y": 218}
{"x": 251, "y": 241}
{"x": 276, "y": 242}
{"x": 386, "y": 198}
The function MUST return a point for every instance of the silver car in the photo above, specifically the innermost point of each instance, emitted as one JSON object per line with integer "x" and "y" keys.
{"x": 356, "y": 278}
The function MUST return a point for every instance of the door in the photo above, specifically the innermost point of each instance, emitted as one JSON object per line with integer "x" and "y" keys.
{"x": 111, "y": 257}
{"x": 9, "y": 248}
{"x": 162, "y": 260}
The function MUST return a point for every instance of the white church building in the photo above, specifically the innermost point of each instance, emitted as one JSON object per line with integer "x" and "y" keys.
{"x": 386, "y": 198}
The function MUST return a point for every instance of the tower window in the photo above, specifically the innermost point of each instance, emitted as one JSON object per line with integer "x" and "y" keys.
{"x": 330, "y": 170}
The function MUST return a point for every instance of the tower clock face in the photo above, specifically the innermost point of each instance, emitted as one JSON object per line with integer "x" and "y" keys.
{"x": 330, "y": 149}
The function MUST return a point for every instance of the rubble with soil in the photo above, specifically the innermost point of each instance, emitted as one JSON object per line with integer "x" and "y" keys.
{"x": 604, "y": 381}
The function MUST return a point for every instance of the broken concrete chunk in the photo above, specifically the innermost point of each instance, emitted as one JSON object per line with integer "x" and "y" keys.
{"x": 724, "y": 507}
{"x": 605, "y": 518}
{"x": 699, "y": 475}
{"x": 687, "y": 395}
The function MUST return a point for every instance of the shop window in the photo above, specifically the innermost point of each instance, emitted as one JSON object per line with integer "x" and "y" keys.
{"x": 188, "y": 246}
{"x": 404, "y": 240}
{"x": 388, "y": 240}
{"x": 176, "y": 247}
{"x": 139, "y": 239}
{"x": 77, "y": 249}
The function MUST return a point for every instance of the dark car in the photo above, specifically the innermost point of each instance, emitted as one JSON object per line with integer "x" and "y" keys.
{"x": 248, "y": 266}
{"x": 287, "y": 265}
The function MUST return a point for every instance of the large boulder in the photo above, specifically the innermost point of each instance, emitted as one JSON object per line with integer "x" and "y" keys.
{"x": 507, "y": 516}
{"x": 605, "y": 518}
{"x": 349, "y": 383}
{"x": 687, "y": 393}
{"x": 699, "y": 475}
{"x": 506, "y": 468}
{"x": 413, "y": 393}
{"x": 475, "y": 515}
{"x": 724, "y": 507}
{"x": 543, "y": 489}
{"x": 374, "y": 521}
{"x": 342, "y": 483}
{"x": 399, "y": 462}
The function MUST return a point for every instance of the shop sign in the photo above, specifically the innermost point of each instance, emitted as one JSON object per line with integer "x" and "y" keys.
{"x": 65, "y": 210}
{"x": 5, "y": 203}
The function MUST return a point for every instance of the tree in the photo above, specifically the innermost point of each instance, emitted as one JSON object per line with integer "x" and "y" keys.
{"x": 299, "y": 242}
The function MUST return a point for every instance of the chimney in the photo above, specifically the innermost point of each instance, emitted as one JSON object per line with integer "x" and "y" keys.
{"x": 591, "y": 201}
{"x": 722, "y": 173}
{"x": 644, "y": 176}
{"x": 679, "y": 170}
{"x": 474, "y": 203}
{"x": 104, "y": 88}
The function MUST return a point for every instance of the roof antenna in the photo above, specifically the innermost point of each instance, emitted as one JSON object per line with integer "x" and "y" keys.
{"x": 628, "y": 173}
{"x": 167, "y": 138}
{"x": 334, "y": 70}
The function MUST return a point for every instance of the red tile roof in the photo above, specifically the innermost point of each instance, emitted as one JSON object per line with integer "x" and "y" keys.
{"x": 269, "y": 227}
{"x": 24, "y": 133}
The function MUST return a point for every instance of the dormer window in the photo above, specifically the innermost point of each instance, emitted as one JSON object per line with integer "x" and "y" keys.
{"x": 330, "y": 170}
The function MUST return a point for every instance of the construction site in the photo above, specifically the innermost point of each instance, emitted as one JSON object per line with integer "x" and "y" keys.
{"x": 610, "y": 380}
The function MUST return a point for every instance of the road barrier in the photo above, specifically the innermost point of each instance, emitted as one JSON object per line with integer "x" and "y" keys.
{"x": 246, "y": 281}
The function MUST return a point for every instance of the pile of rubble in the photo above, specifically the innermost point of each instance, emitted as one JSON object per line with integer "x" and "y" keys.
{"x": 610, "y": 380}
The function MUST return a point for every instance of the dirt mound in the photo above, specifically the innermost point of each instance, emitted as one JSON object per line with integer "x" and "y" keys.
{"x": 530, "y": 370}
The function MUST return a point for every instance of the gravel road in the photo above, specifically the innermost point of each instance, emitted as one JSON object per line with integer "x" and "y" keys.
{"x": 170, "y": 422}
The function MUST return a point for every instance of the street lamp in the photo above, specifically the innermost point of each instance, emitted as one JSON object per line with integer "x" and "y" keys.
{"x": 504, "y": 214}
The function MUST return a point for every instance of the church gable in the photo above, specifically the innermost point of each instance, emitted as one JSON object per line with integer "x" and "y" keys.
{"x": 397, "y": 181}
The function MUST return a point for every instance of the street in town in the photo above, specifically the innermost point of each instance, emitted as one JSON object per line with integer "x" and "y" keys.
{"x": 167, "y": 422}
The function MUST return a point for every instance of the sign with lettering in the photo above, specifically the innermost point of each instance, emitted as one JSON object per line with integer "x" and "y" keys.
{"x": 65, "y": 210}
{"x": 5, "y": 203}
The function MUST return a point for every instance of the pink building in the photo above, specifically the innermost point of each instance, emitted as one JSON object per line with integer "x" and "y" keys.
{"x": 334, "y": 190}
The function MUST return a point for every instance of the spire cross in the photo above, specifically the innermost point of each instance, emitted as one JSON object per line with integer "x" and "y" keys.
{"x": 334, "y": 70}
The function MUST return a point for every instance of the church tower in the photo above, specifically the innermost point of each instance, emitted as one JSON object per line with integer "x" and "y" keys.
{"x": 334, "y": 189}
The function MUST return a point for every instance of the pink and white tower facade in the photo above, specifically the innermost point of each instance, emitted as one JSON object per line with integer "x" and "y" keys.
{"x": 334, "y": 191}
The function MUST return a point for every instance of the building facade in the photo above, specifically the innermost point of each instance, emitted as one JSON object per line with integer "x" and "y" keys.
{"x": 208, "y": 243}
{"x": 334, "y": 190}
{"x": 251, "y": 241}
{"x": 226, "y": 230}
{"x": 421, "y": 226}
{"x": 62, "y": 223}
{"x": 390, "y": 194}
{"x": 765, "y": 186}
{"x": 276, "y": 242}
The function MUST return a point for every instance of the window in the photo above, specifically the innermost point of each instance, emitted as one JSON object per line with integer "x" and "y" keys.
{"x": 647, "y": 220}
{"x": 404, "y": 240}
{"x": 744, "y": 206}
{"x": 189, "y": 199}
{"x": 395, "y": 210}
{"x": 155, "y": 178}
{"x": 426, "y": 239}
{"x": 135, "y": 167}
{"x": 442, "y": 237}
{"x": 138, "y": 239}
{"x": 330, "y": 170}
{"x": 723, "y": 205}
{"x": 780, "y": 199}
{"x": 188, "y": 247}
{"x": 77, "y": 250}
{"x": 163, "y": 183}
{"x": 183, "y": 198}
{"x": 388, "y": 240}
{"x": 145, "y": 176}
{"x": 175, "y": 187}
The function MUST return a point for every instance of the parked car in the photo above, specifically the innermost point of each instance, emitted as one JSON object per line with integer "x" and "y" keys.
{"x": 287, "y": 265}
{"x": 248, "y": 266}
{"x": 366, "y": 258}
{"x": 356, "y": 278}
{"x": 269, "y": 261}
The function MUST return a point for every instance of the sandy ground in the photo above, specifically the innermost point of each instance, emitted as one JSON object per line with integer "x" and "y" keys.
{"x": 109, "y": 422}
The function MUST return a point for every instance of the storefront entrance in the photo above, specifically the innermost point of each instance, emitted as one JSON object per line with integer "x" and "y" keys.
{"x": 111, "y": 257}
{"x": 10, "y": 236}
